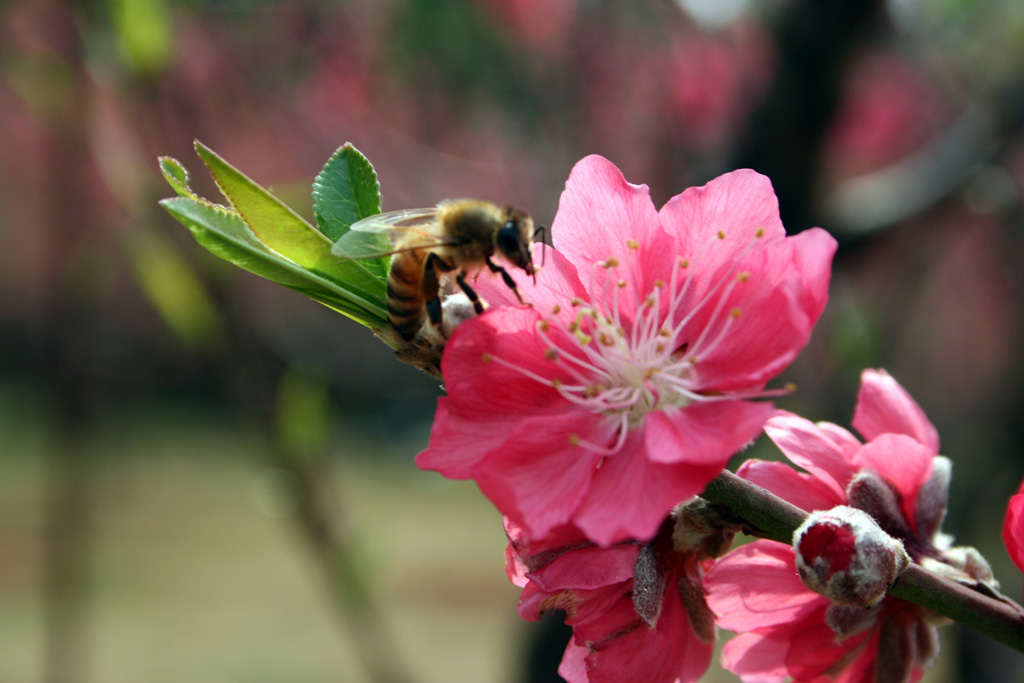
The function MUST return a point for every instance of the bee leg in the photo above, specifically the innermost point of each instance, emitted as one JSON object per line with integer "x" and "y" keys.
{"x": 509, "y": 282}
{"x": 430, "y": 285}
{"x": 478, "y": 305}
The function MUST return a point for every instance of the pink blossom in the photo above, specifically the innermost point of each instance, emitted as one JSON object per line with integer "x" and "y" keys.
{"x": 889, "y": 108}
{"x": 595, "y": 587}
{"x": 1013, "y": 528}
{"x": 897, "y": 478}
{"x": 712, "y": 81}
{"x": 622, "y": 390}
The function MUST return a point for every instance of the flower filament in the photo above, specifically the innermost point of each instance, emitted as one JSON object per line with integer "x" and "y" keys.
{"x": 647, "y": 353}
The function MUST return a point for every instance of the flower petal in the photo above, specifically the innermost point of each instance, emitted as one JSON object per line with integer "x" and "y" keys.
{"x": 573, "y": 667}
{"x": 598, "y": 214}
{"x": 588, "y": 568}
{"x": 756, "y": 585}
{"x": 703, "y": 433}
{"x": 496, "y": 350}
{"x": 813, "y": 651}
{"x": 757, "y": 657}
{"x": 737, "y": 204}
{"x": 458, "y": 441}
{"x": 763, "y": 316}
{"x": 883, "y": 406}
{"x": 809, "y": 447}
{"x": 905, "y": 462}
{"x": 669, "y": 653}
{"x": 539, "y": 476}
{"x": 630, "y": 496}
{"x": 486, "y": 352}
{"x": 803, "y": 490}
{"x": 1013, "y": 529}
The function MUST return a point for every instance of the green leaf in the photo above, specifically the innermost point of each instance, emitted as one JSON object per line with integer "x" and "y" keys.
{"x": 271, "y": 220}
{"x": 282, "y": 231}
{"x": 223, "y": 232}
{"x": 144, "y": 33}
{"x": 172, "y": 287}
{"x": 176, "y": 176}
{"x": 345, "y": 191}
{"x": 303, "y": 423}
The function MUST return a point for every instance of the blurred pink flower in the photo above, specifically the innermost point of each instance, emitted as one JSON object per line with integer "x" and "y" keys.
{"x": 621, "y": 391}
{"x": 1013, "y": 528}
{"x": 712, "y": 81}
{"x": 541, "y": 24}
{"x": 889, "y": 109}
{"x": 897, "y": 478}
{"x": 595, "y": 588}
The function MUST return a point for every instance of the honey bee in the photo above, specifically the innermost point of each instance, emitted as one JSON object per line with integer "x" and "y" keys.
{"x": 459, "y": 235}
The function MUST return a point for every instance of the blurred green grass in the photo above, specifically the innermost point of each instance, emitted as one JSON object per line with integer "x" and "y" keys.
{"x": 196, "y": 572}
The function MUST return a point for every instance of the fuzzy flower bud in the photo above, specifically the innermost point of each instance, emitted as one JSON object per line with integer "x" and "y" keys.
{"x": 845, "y": 556}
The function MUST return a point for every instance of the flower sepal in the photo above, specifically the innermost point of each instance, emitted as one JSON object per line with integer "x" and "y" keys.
{"x": 845, "y": 556}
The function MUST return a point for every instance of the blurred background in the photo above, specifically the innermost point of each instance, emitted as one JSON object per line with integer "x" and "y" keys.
{"x": 206, "y": 477}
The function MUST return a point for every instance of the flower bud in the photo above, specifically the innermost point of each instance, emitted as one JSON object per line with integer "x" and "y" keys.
{"x": 845, "y": 556}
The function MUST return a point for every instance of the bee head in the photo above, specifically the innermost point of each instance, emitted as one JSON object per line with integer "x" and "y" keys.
{"x": 513, "y": 240}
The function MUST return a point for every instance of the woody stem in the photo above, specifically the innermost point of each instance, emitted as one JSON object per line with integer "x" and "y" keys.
{"x": 776, "y": 519}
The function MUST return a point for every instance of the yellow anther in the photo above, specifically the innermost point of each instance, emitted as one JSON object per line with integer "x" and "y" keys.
{"x": 543, "y": 326}
{"x": 556, "y": 310}
{"x": 621, "y": 283}
{"x": 575, "y": 301}
{"x": 735, "y": 313}
{"x": 606, "y": 340}
{"x": 574, "y": 439}
{"x": 650, "y": 372}
{"x": 632, "y": 244}
{"x": 759, "y": 233}
{"x": 790, "y": 387}
{"x": 659, "y": 283}
{"x": 721, "y": 234}
{"x": 551, "y": 354}
{"x": 611, "y": 263}
{"x": 663, "y": 332}
{"x": 556, "y": 382}
{"x": 486, "y": 358}
{"x": 744, "y": 276}
{"x": 660, "y": 348}
{"x": 573, "y": 326}
{"x": 684, "y": 263}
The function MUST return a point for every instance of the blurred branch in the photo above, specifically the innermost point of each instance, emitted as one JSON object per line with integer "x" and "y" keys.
{"x": 300, "y": 450}
{"x": 878, "y": 200}
{"x": 70, "y": 315}
{"x": 255, "y": 381}
{"x": 815, "y": 41}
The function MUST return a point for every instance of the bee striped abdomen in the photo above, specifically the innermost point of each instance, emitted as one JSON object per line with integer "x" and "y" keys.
{"x": 404, "y": 301}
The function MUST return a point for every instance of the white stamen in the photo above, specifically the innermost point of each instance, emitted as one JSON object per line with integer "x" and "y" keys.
{"x": 625, "y": 367}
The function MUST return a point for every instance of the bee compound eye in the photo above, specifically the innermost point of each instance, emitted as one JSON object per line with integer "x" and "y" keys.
{"x": 508, "y": 240}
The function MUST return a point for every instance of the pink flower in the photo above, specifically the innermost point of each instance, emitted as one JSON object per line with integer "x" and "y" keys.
{"x": 897, "y": 478}
{"x": 621, "y": 391}
{"x": 598, "y": 590}
{"x": 1013, "y": 528}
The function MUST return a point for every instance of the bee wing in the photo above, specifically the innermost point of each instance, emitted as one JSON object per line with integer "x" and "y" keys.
{"x": 378, "y": 235}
